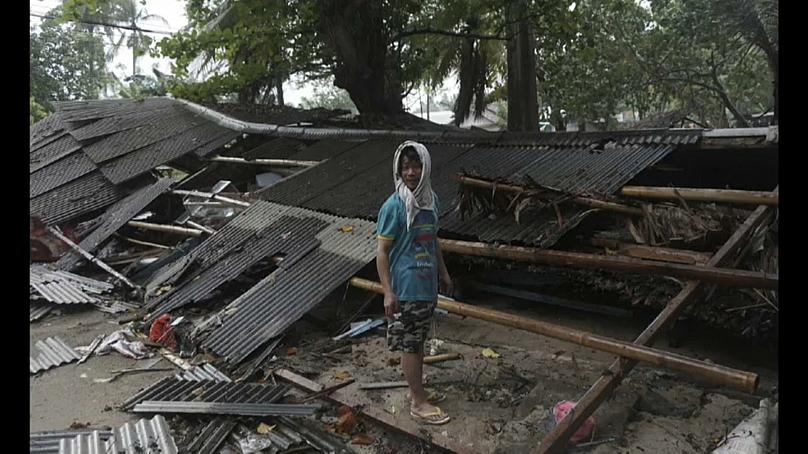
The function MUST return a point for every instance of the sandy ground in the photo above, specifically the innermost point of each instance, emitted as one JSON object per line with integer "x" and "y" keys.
{"x": 499, "y": 405}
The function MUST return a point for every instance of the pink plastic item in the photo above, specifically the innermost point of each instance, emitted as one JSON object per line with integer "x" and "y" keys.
{"x": 562, "y": 409}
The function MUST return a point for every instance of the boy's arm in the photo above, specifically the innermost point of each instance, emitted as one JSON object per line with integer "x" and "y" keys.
{"x": 383, "y": 248}
{"x": 447, "y": 286}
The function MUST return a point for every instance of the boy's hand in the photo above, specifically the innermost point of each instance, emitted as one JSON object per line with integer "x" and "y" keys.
{"x": 390, "y": 305}
{"x": 446, "y": 285}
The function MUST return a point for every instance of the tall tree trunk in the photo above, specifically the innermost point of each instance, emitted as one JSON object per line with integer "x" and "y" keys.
{"x": 279, "y": 89}
{"x": 523, "y": 110}
{"x": 355, "y": 31}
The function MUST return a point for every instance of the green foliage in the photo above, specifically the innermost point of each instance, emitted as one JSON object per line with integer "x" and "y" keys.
{"x": 327, "y": 96}
{"x": 67, "y": 63}
{"x": 36, "y": 111}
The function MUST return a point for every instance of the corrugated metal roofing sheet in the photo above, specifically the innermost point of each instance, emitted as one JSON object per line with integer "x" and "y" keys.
{"x": 203, "y": 372}
{"x": 541, "y": 231}
{"x": 344, "y": 167}
{"x": 115, "y": 217}
{"x": 74, "y": 111}
{"x": 181, "y": 390}
{"x": 63, "y": 171}
{"x": 48, "y": 442}
{"x": 365, "y": 193}
{"x": 220, "y": 408}
{"x": 201, "y": 140}
{"x": 39, "y": 310}
{"x": 81, "y": 196}
{"x": 122, "y": 122}
{"x": 150, "y": 130}
{"x": 152, "y": 436}
{"x": 211, "y": 436}
{"x": 65, "y": 288}
{"x": 288, "y": 235}
{"x": 50, "y": 151}
{"x": 323, "y": 149}
{"x": 277, "y": 301}
{"x": 280, "y": 148}
{"x": 146, "y": 436}
{"x": 52, "y": 352}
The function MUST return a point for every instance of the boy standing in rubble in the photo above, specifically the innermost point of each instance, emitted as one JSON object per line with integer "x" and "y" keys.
{"x": 410, "y": 266}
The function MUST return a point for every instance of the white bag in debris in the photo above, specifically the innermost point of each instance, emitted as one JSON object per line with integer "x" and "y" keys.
{"x": 122, "y": 342}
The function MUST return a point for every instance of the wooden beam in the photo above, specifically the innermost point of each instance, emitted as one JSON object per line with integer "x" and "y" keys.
{"x": 724, "y": 276}
{"x": 556, "y": 440}
{"x": 730, "y": 196}
{"x": 344, "y": 397}
{"x": 658, "y": 253}
{"x": 265, "y": 162}
{"x": 709, "y": 372}
{"x": 165, "y": 228}
{"x": 585, "y": 201}
{"x": 441, "y": 358}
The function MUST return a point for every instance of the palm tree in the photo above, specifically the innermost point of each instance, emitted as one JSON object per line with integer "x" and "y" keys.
{"x": 129, "y": 13}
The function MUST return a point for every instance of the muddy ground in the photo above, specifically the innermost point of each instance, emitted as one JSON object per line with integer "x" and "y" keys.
{"x": 498, "y": 404}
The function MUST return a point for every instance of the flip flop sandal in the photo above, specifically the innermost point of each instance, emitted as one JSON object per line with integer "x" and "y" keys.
{"x": 434, "y": 397}
{"x": 434, "y": 418}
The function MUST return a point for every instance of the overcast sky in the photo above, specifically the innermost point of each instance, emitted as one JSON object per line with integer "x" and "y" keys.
{"x": 173, "y": 11}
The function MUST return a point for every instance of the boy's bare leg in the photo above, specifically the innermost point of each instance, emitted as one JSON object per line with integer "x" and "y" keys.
{"x": 413, "y": 364}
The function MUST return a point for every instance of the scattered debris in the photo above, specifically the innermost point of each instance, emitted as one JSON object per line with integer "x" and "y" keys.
{"x": 360, "y": 327}
{"x": 123, "y": 342}
{"x": 490, "y": 353}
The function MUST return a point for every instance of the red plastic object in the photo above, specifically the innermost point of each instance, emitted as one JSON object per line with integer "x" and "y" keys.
{"x": 562, "y": 409}
{"x": 162, "y": 332}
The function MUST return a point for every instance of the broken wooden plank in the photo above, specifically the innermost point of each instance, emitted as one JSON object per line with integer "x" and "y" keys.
{"x": 556, "y": 440}
{"x": 727, "y": 376}
{"x": 326, "y": 391}
{"x": 724, "y": 276}
{"x": 662, "y": 254}
{"x": 730, "y": 196}
{"x": 384, "y": 385}
{"x": 343, "y": 397}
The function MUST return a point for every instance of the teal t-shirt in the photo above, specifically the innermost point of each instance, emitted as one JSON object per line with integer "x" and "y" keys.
{"x": 413, "y": 257}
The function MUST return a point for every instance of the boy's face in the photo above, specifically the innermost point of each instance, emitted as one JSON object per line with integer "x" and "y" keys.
{"x": 411, "y": 172}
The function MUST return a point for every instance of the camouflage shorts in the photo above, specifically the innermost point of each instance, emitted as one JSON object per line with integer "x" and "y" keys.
{"x": 407, "y": 333}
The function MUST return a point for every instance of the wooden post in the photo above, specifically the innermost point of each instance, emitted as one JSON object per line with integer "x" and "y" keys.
{"x": 710, "y": 372}
{"x": 92, "y": 259}
{"x": 556, "y": 440}
{"x": 703, "y": 195}
{"x": 738, "y": 278}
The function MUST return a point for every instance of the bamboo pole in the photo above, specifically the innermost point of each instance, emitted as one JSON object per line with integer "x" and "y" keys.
{"x": 265, "y": 162}
{"x": 586, "y": 201}
{"x": 556, "y": 440}
{"x": 658, "y": 253}
{"x": 739, "y": 278}
{"x": 165, "y": 228}
{"x": 710, "y": 372}
{"x": 93, "y": 259}
{"x": 731, "y": 196}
